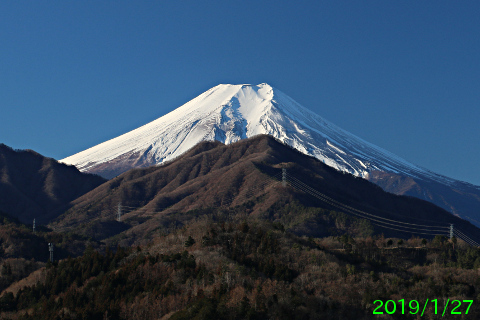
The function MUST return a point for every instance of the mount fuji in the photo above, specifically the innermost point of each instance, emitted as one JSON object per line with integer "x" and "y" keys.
{"x": 229, "y": 113}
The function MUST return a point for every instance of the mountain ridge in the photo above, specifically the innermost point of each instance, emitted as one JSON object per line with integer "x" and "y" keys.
{"x": 213, "y": 177}
{"x": 229, "y": 113}
{"x": 34, "y": 186}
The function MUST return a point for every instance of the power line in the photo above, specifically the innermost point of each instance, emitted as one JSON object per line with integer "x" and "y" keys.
{"x": 265, "y": 183}
{"x": 467, "y": 240}
{"x": 362, "y": 212}
{"x": 466, "y": 234}
{"x": 378, "y": 222}
{"x": 225, "y": 200}
{"x": 284, "y": 176}
{"x": 349, "y": 209}
{"x": 381, "y": 221}
{"x": 398, "y": 225}
{"x": 464, "y": 237}
{"x": 133, "y": 211}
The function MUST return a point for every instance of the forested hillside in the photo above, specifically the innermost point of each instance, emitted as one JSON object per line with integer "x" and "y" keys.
{"x": 244, "y": 177}
{"x": 225, "y": 233}
{"x": 252, "y": 270}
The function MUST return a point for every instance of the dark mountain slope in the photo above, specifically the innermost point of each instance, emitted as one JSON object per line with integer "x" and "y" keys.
{"x": 213, "y": 177}
{"x": 33, "y": 186}
{"x": 460, "y": 198}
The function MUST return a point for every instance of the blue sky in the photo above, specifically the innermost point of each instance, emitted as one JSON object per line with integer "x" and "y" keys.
{"x": 404, "y": 75}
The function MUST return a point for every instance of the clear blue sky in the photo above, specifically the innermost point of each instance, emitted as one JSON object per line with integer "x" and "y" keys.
{"x": 404, "y": 75}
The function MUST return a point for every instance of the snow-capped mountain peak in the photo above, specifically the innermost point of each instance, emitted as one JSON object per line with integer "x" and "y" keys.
{"x": 228, "y": 113}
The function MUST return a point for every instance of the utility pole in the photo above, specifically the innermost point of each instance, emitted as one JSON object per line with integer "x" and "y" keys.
{"x": 284, "y": 177}
{"x": 50, "y": 248}
{"x": 33, "y": 225}
{"x": 451, "y": 231}
{"x": 119, "y": 212}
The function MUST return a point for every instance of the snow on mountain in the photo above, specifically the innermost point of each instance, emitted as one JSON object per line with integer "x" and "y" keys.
{"x": 228, "y": 113}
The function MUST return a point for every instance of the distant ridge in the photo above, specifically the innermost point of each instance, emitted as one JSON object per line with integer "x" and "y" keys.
{"x": 229, "y": 113}
{"x": 33, "y": 186}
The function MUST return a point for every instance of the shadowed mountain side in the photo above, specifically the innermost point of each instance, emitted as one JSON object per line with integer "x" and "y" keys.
{"x": 33, "y": 186}
{"x": 213, "y": 175}
{"x": 462, "y": 199}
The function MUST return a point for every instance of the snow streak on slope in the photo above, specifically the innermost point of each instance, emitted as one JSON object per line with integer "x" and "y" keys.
{"x": 228, "y": 113}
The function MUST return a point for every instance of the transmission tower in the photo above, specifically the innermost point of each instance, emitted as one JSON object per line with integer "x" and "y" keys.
{"x": 119, "y": 212}
{"x": 451, "y": 231}
{"x": 284, "y": 177}
{"x": 33, "y": 225}
{"x": 50, "y": 248}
